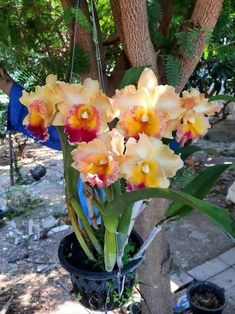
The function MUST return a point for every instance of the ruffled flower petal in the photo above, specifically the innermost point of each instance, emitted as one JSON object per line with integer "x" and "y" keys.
{"x": 195, "y": 100}
{"x": 115, "y": 142}
{"x": 209, "y": 109}
{"x": 71, "y": 94}
{"x": 168, "y": 160}
{"x": 168, "y": 102}
{"x": 128, "y": 98}
{"x": 95, "y": 163}
{"x": 92, "y": 85}
{"x": 171, "y": 126}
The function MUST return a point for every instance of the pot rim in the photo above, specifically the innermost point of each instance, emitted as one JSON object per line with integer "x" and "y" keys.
{"x": 94, "y": 275}
{"x": 197, "y": 283}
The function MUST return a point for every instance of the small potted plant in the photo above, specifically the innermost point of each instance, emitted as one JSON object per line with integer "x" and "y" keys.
{"x": 205, "y": 298}
{"x": 120, "y": 166}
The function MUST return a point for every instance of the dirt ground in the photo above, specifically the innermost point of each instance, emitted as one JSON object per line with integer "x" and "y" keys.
{"x": 30, "y": 274}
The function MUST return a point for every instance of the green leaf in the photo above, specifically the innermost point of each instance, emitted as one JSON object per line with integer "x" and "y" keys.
{"x": 217, "y": 214}
{"x": 82, "y": 19}
{"x": 81, "y": 61}
{"x": 187, "y": 41}
{"x": 187, "y": 151}
{"x": 199, "y": 187}
{"x": 132, "y": 75}
{"x": 173, "y": 70}
{"x": 222, "y": 97}
{"x": 88, "y": 229}
{"x": 77, "y": 13}
{"x": 109, "y": 250}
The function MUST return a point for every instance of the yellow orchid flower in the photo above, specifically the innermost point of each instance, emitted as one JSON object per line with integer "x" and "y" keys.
{"x": 194, "y": 125}
{"x": 84, "y": 111}
{"x": 42, "y": 107}
{"x": 96, "y": 163}
{"x": 149, "y": 163}
{"x": 195, "y": 122}
{"x": 147, "y": 108}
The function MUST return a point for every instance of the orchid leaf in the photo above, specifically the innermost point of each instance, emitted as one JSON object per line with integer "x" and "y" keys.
{"x": 217, "y": 214}
{"x": 199, "y": 187}
{"x": 187, "y": 151}
{"x": 132, "y": 75}
{"x": 222, "y": 97}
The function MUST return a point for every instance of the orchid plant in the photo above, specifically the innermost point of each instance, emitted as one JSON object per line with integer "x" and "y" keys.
{"x": 119, "y": 147}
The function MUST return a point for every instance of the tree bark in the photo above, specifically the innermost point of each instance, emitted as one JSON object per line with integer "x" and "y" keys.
{"x": 154, "y": 273}
{"x": 132, "y": 25}
{"x": 205, "y": 15}
{"x": 164, "y": 25}
{"x": 6, "y": 81}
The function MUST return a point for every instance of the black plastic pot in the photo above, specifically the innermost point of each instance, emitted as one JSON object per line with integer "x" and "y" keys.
{"x": 203, "y": 287}
{"x": 96, "y": 290}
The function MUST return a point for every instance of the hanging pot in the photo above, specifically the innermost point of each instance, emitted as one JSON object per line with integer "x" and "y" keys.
{"x": 97, "y": 290}
{"x": 206, "y": 298}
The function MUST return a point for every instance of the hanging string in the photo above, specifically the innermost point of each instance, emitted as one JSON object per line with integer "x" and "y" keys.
{"x": 74, "y": 43}
{"x": 97, "y": 47}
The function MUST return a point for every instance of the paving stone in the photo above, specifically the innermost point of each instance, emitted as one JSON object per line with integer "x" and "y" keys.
{"x": 178, "y": 281}
{"x": 208, "y": 269}
{"x": 231, "y": 293}
{"x": 226, "y": 279}
{"x": 228, "y": 257}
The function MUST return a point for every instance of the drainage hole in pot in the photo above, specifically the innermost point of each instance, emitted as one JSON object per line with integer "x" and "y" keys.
{"x": 207, "y": 299}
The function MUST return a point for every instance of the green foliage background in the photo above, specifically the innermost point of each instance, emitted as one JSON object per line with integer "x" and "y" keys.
{"x": 35, "y": 41}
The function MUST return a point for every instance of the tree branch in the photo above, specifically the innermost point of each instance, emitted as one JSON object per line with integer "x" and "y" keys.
{"x": 84, "y": 39}
{"x": 132, "y": 25}
{"x": 205, "y": 15}
{"x": 165, "y": 22}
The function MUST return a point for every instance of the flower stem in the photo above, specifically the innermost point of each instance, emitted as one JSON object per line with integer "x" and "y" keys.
{"x": 80, "y": 238}
{"x": 79, "y": 211}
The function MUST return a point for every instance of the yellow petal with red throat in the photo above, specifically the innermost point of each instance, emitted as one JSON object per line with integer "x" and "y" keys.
{"x": 95, "y": 163}
{"x": 84, "y": 122}
{"x": 84, "y": 111}
{"x": 149, "y": 163}
{"x": 194, "y": 125}
{"x": 42, "y": 107}
{"x": 71, "y": 94}
{"x": 142, "y": 120}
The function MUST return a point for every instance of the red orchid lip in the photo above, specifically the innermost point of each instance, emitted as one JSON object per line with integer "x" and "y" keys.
{"x": 80, "y": 129}
{"x": 38, "y": 131}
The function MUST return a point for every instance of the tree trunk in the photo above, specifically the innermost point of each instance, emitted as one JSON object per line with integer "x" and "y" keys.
{"x": 132, "y": 22}
{"x": 154, "y": 273}
{"x": 204, "y": 17}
